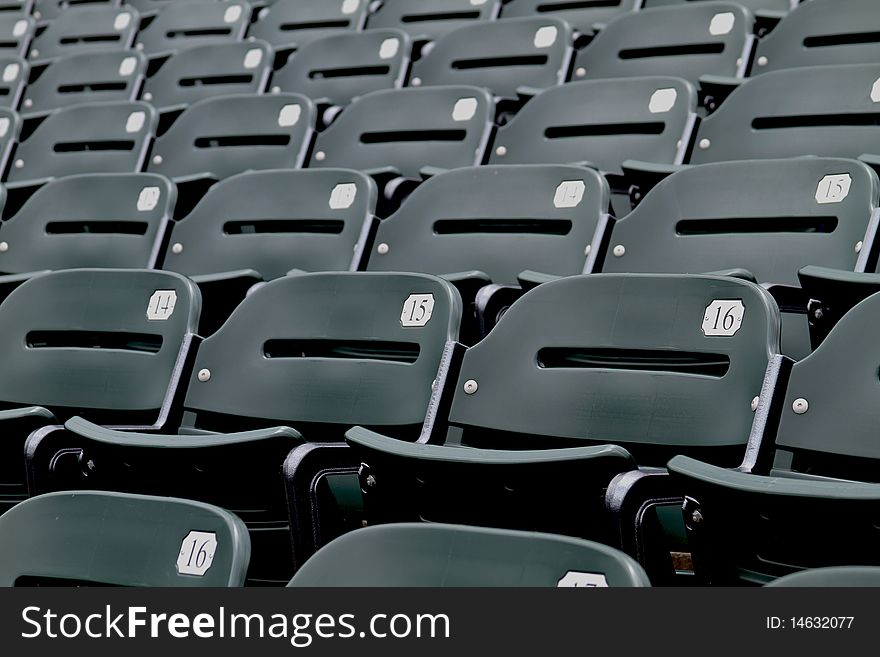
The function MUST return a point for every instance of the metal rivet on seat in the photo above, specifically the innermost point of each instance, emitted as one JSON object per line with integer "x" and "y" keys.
{"x": 148, "y": 96}
{"x": 383, "y": 249}
{"x": 588, "y": 249}
{"x": 755, "y": 403}
{"x": 800, "y": 406}
{"x": 739, "y": 61}
{"x": 204, "y": 375}
{"x": 470, "y": 386}
{"x": 19, "y": 163}
{"x": 177, "y": 248}
{"x": 858, "y": 246}
{"x": 276, "y": 89}
{"x": 580, "y": 72}
{"x": 4, "y": 247}
{"x": 416, "y": 82}
{"x": 705, "y": 143}
{"x": 762, "y": 61}
{"x": 320, "y": 156}
{"x": 619, "y": 251}
{"x": 696, "y": 517}
{"x": 370, "y": 481}
{"x": 157, "y": 159}
{"x": 35, "y": 53}
{"x": 140, "y": 46}
{"x": 38, "y": 15}
{"x": 28, "y": 102}
{"x": 501, "y": 151}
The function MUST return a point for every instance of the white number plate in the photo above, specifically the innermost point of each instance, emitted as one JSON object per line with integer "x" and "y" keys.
{"x": 161, "y": 305}
{"x": 417, "y": 310}
{"x": 723, "y": 317}
{"x": 197, "y": 553}
{"x": 575, "y": 579}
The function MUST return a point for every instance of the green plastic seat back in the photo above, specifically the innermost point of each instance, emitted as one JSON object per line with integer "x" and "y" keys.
{"x": 210, "y": 70}
{"x": 224, "y": 135}
{"x": 820, "y": 33}
{"x": 110, "y": 340}
{"x": 183, "y": 25}
{"x": 852, "y": 576}
{"x": 293, "y": 24}
{"x": 752, "y": 5}
{"x": 409, "y": 129}
{"x": 656, "y": 360}
{"x": 87, "y": 138}
{"x": 13, "y": 79}
{"x": 86, "y": 77}
{"x": 330, "y": 348}
{"x": 820, "y": 110}
{"x": 427, "y": 21}
{"x": 86, "y": 29}
{"x": 604, "y": 122}
{"x": 16, "y": 33}
{"x": 121, "y": 540}
{"x": 582, "y": 16}
{"x": 770, "y": 217}
{"x": 438, "y": 555}
{"x": 337, "y": 69}
{"x": 47, "y": 10}
{"x": 189, "y": 467}
{"x": 502, "y": 56}
{"x": 688, "y": 41}
{"x": 276, "y": 221}
{"x": 90, "y": 220}
{"x": 839, "y": 382}
{"x": 500, "y": 220}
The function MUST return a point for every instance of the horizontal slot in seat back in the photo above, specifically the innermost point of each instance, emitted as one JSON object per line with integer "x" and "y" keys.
{"x": 582, "y": 15}
{"x": 180, "y": 25}
{"x": 429, "y": 21}
{"x": 84, "y": 29}
{"x": 293, "y": 24}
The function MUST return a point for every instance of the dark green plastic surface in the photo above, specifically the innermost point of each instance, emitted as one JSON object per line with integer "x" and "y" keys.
{"x": 292, "y": 24}
{"x": 338, "y": 68}
{"x": 609, "y": 119}
{"x": 78, "y": 376}
{"x": 754, "y": 5}
{"x": 209, "y": 70}
{"x": 651, "y": 405}
{"x": 816, "y": 33}
{"x": 437, "y": 555}
{"x": 473, "y": 55}
{"x": 46, "y": 10}
{"x": 341, "y": 387}
{"x": 43, "y": 233}
{"x": 90, "y": 73}
{"x": 553, "y": 241}
{"x": 58, "y": 147}
{"x": 676, "y": 40}
{"x": 801, "y": 111}
{"x": 195, "y": 146}
{"x": 581, "y": 18}
{"x": 206, "y": 22}
{"x": 14, "y": 77}
{"x": 423, "y": 111}
{"x": 117, "y": 539}
{"x": 311, "y": 243}
{"x": 426, "y": 21}
{"x": 86, "y": 29}
{"x": 695, "y": 220}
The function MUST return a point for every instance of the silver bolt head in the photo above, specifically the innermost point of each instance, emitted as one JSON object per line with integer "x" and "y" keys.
{"x": 619, "y": 251}
{"x": 755, "y": 403}
{"x": 204, "y": 375}
{"x": 470, "y": 386}
{"x": 383, "y": 249}
{"x": 800, "y": 406}
{"x": 177, "y": 248}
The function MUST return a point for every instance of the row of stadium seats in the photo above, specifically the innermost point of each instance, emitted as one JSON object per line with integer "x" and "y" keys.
{"x": 322, "y": 388}
{"x": 708, "y": 43}
{"x": 493, "y": 231}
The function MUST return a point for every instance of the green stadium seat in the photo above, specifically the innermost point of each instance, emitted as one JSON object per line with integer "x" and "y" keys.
{"x": 582, "y": 16}
{"x": 85, "y": 29}
{"x": 180, "y": 25}
{"x": 429, "y": 21}
{"x": 443, "y": 556}
{"x": 210, "y": 70}
{"x": 16, "y": 34}
{"x": 853, "y": 576}
{"x": 293, "y": 24}
{"x": 109, "y": 539}
{"x": 87, "y": 77}
{"x": 502, "y": 56}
